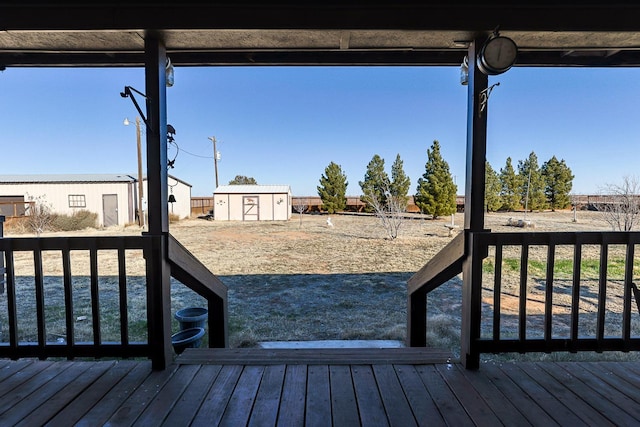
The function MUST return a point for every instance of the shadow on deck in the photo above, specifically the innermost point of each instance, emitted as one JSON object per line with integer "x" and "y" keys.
{"x": 329, "y": 387}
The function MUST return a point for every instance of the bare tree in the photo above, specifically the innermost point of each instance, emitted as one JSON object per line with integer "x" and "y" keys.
{"x": 39, "y": 215}
{"x": 622, "y": 211}
{"x": 301, "y": 206}
{"x": 390, "y": 212}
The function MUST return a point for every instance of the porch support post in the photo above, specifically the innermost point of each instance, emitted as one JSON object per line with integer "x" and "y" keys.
{"x": 159, "y": 274}
{"x": 473, "y": 208}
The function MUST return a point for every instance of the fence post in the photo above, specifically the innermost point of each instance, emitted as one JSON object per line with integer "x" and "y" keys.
{"x": 2, "y": 270}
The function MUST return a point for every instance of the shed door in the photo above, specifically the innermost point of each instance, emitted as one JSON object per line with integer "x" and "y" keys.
{"x": 110, "y": 209}
{"x": 250, "y": 208}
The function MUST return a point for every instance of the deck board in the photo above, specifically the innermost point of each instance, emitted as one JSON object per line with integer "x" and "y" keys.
{"x": 188, "y": 404}
{"x": 93, "y": 394}
{"x": 335, "y": 393}
{"x": 318, "y": 397}
{"x": 115, "y": 397}
{"x": 418, "y": 397}
{"x": 444, "y": 398}
{"x": 219, "y": 394}
{"x": 292, "y": 406}
{"x": 368, "y": 397}
{"x": 265, "y": 409}
{"x": 239, "y": 408}
{"x": 344, "y": 410}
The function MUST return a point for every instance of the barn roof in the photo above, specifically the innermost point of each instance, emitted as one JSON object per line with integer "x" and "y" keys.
{"x": 65, "y": 178}
{"x": 252, "y": 189}
{"x": 75, "y": 178}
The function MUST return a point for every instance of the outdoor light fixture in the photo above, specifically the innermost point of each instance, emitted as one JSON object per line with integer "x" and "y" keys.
{"x": 497, "y": 55}
{"x": 464, "y": 71}
{"x": 172, "y": 198}
{"x": 129, "y": 94}
{"x": 169, "y": 73}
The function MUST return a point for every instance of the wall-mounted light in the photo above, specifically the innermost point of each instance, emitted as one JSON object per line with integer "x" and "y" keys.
{"x": 169, "y": 73}
{"x": 464, "y": 71}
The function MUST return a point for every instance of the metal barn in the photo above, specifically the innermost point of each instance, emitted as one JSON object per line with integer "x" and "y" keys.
{"x": 252, "y": 203}
{"x": 114, "y": 197}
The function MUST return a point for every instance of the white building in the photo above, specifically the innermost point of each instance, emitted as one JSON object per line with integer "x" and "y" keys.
{"x": 252, "y": 203}
{"x": 114, "y": 197}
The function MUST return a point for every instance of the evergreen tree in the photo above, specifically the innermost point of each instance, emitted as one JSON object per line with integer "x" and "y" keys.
{"x": 532, "y": 192}
{"x": 492, "y": 189}
{"x": 243, "y": 180}
{"x": 333, "y": 188}
{"x": 558, "y": 182}
{"x": 510, "y": 187}
{"x": 436, "y": 192}
{"x": 376, "y": 182}
{"x": 400, "y": 183}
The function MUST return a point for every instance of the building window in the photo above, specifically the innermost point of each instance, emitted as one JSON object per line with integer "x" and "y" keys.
{"x": 77, "y": 201}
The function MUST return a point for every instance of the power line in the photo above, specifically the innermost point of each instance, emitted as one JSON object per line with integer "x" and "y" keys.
{"x": 182, "y": 150}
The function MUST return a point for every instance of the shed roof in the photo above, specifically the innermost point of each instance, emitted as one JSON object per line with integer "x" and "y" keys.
{"x": 252, "y": 189}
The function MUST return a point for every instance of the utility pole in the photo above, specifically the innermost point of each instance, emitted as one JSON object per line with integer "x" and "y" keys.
{"x": 140, "y": 212}
{"x": 140, "y": 186}
{"x": 215, "y": 158}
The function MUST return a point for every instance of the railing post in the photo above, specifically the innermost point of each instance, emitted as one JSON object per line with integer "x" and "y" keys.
{"x": 2, "y": 270}
{"x": 471, "y": 302}
{"x": 417, "y": 318}
{"x": 159, "y": 301}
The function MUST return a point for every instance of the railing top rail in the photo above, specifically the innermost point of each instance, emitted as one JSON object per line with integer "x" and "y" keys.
{"x": 73, "y": 243}
{"x": 442, "y": 267}
{"x": 559, "y": 238}
{"x": 190, "y": 271}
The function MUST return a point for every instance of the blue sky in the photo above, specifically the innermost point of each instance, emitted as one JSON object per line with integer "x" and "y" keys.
{"x": 284, "y": 125}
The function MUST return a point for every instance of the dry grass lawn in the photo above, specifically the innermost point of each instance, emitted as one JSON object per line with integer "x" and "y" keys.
{"x": 297, "y": 279}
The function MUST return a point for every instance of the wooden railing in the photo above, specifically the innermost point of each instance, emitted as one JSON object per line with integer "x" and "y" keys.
{"x": 56, "y": 306}
{"x": 192, "y": 273}
{"x": 443, "y": 266}
{"x": 537, "y": 292}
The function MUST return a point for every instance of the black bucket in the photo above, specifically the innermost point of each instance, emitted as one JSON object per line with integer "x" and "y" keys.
{"x": 192, "y": 317}
{"x": 188, "y": 338}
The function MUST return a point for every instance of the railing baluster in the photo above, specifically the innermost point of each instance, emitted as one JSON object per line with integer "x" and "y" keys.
{"x": 575, "y": 295}
{"x": 602, "y": 293}
{"x": 11, "y": 304}
{"x": 628, "y": 284}
{"x": 68, "y": 299}
{"x": 122, "y": 292}
{"x": 497, "y": 293}
{"x": 95, "y": 295}
{"x": 548, "y": 294}
{"x": 522, "y": 310}
{"x": 39, "y": 285}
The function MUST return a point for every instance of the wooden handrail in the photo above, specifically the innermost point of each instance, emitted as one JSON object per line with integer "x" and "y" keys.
{"x": 186, "y": 268}
{"x": 443, "y": 266}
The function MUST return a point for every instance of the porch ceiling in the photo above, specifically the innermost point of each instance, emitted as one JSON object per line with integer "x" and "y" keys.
{"x": 576, "y": 33}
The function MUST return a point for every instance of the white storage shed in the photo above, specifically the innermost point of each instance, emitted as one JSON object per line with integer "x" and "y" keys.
{"x": 252, "y": 203}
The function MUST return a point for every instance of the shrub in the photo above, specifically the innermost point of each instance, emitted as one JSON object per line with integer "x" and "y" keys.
{"x": 173, "y": 218}
{"x": 78, "y": 221}
{"x": 16, "y": 225}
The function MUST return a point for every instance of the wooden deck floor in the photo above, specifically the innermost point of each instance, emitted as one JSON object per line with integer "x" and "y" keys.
{"x": 317, "y": 389}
